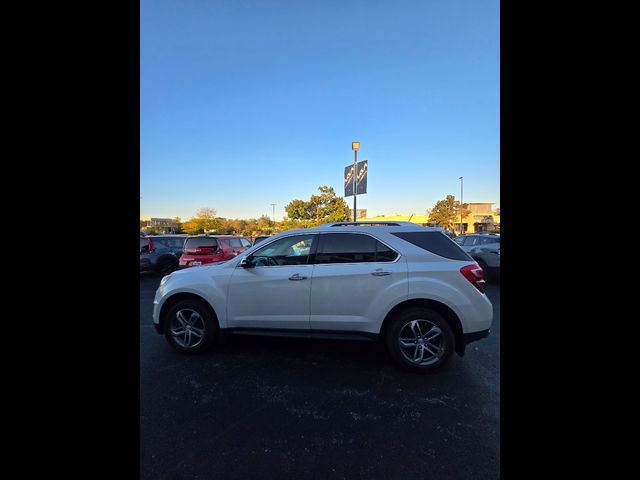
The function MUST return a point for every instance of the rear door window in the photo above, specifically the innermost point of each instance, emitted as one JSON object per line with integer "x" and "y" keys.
{"x": 384, "y": 253}
{"x": 245, "y": 242}
{"x": 352, "y": 248}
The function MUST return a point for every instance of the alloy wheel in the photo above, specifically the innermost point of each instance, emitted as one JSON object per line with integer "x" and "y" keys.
{"x": 187, "y": 328}
{"x": 422, "y": 342}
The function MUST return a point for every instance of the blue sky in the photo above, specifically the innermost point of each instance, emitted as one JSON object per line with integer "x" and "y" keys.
{"x": 244, "y": 103}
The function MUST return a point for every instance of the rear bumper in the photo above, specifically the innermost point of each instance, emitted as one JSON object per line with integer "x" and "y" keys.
{"x": 475, "y": 336}
{"x": 187, "y": 260}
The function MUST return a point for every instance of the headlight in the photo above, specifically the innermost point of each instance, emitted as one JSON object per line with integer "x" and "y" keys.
{"x": 164, "y": 279}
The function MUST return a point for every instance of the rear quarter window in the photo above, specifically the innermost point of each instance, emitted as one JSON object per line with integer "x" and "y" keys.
{"x": 435, "y": 242}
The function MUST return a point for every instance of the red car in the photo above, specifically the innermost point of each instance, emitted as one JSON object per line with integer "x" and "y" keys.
{"x": 211, "y": 249}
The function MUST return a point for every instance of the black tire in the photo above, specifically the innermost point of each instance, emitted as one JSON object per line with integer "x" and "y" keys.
{"x": 207, "y": 323}
{"x": 166, "y": 265}
{"x": 445, "y": 340}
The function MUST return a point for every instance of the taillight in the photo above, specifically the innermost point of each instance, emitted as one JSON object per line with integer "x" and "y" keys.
{"x": 475, "y": 275}
{"x": 152, "y": 247}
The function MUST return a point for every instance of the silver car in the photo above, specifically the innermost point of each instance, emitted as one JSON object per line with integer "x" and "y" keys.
{"x": 484, "y": 248}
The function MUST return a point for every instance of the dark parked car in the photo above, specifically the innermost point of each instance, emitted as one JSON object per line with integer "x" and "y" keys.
{"x": 161, "y": 253}
{"x": 259, "y": 239}
{"x": 484, "y": 248}
{"x": 211, "y": 249}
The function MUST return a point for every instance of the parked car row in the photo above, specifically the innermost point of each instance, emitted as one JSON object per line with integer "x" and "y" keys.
{"x": 164, "y": 254}
{"x": 484, "y": 248}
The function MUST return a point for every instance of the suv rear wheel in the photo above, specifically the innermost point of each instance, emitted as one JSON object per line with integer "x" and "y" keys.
{"x": 190, "y": 326}
{"x": 420, "y": 340}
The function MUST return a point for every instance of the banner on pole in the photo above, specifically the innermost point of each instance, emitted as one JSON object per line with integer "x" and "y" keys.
{"x": 361, "y": 178}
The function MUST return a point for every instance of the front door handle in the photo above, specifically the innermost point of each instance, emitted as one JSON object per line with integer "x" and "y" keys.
{"x": 296, "y": 277}
{"x": 380, "y": 273}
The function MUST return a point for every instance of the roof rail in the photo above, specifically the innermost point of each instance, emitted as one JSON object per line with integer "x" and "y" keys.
{"x": 370, "y": 224}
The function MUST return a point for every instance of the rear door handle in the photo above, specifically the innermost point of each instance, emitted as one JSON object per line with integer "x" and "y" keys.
{"x": 380, "y": 273}
{"x": 296, "y": 276}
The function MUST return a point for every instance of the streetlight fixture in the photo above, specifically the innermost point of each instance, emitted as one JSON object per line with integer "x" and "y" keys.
{"x": 355, "y": 146}
{"x": 274, "y": 211}
{"x": 461, "y": 183}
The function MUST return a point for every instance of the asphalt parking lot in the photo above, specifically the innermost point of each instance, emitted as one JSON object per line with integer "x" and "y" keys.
{"x": 265, "y": 407}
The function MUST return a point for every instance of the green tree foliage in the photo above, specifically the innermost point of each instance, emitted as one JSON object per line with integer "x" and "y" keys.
{"x": 446, "y": 213}
{"x": 326, "y": 207}
{"x": 204, "y": 220}
{"x": 321, "y": 208}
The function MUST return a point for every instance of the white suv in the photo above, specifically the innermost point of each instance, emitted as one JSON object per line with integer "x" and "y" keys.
{"x": 410, "y": 286}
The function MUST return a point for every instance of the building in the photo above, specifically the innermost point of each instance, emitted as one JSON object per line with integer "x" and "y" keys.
{"x": 480, "y": 219}
{"x": 160, "y": 225}
{"x": 361, "y": 213}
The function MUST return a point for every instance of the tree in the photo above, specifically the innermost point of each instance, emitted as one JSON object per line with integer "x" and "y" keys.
{"x": 326, "y": 207}
{"x": 446, "y": 213}
{"x": 498, "y": 211}
{"x": 204, "y": 220}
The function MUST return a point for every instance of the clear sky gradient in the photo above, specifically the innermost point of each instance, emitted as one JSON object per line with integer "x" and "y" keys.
{"x": 244, "y": 103}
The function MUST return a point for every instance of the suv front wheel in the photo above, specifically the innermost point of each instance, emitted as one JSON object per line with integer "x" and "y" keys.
{"x": 420, "y": 340}
{"x": 190, "y": 327}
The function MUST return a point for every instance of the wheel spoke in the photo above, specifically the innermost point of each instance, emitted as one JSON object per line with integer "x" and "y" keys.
{"x": 193, "y": 318}
{"x": 181, "y": 318}
{"x": 419, "y": 350}
{"x": 434, "y": 332}
{"x": 416, "y": 326}
{"x": 197, "y": 332}
{"x": 436, "y": 350}
{"x": 177, "y": 333}
{"x": 187, "y": 338}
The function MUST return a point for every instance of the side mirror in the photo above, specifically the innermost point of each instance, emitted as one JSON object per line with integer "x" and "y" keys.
{"x": 246, "y": 262}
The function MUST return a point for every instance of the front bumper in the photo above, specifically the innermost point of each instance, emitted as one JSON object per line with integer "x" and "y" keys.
{"x": 156, "y": 311}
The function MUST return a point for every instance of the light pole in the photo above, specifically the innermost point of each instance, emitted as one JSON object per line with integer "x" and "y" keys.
{"x": 355, "y": 146}
{"x": 461, "y": 183}
{"x": 274, "y": 211}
